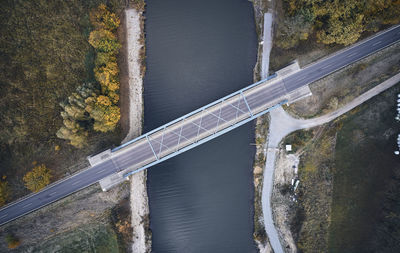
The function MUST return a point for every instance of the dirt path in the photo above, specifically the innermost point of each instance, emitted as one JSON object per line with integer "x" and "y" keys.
{"x": 139, "y": 200}
{"x": 281, "y": 124}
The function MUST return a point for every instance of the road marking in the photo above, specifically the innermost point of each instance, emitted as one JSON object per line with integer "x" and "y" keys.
{"x": 350, "y": 55}
{"x": 327, "y": 66}
{"x": 74, "y": 183}
{"x": 98, "y": 172}
{"x": 301, "y": 78}
{"x": 27, "y": 205}
{"x": 376, "y": 43}
{"x": 4, "y": 215}
{"x": 51, "y": 194}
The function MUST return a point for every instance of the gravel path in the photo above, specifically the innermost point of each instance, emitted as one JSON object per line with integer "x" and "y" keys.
{"x": 267, "y": 44}
{"x": 282, "y": 124}
{"x": 138, "y": 200}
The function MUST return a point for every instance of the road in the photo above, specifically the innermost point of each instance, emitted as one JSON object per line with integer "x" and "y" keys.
{"x": 282, "y": 124}
{"x": 199, "y": 125}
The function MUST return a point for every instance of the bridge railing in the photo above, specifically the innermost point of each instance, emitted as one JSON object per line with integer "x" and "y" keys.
{"x": 193, "y": 113}
{"x": 203, "y": 140}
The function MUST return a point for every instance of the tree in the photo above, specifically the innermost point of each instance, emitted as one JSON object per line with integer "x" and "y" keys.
{"x": 105, "y": 115}
{"x": 12, "y": 241}
{"x": 292, "y": 30}
{"x": 334, "y": 21}
{"x": 103, "y": 58}
{"x": 77, "y": 136}
{"x": 37, "y": 178}
{"x": 104, "y": 41}
{"x": 75, "y": 117}
{"x": 107, "y": 76}
{"x": 4, "y": 192}
{"x": 102, "y": 18}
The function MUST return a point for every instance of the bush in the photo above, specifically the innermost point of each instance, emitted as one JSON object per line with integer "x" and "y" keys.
{"x": 12, "y": 241}
{"x": 37, "y": 178}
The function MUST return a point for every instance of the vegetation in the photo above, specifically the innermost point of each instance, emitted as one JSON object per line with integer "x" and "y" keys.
{"x": 298, "y": 139}
{"x": 4, "y": 192}
{"x": 138, "y": 4}
{"x": 365, "y": 211}
{"x": 91, "y": 237}
{"x": 387, "y": 234}
{"x": 94, "y": 106}
{"x": 12, "y": 241}
{"x": 259, "y": 233}
{"x": 37, "y": 178}
{"x": 45, "y": 57}
{"x": 348, "y": 196}
{"x": 336, "y": 21}
{"x": 310, "y": 225}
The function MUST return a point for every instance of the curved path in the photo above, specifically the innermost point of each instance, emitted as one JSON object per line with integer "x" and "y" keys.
{"x": 282, "y": 124}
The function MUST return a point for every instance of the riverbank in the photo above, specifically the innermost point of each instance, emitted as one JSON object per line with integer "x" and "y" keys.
{"x": 133, "y": 100}
{"x": 261, "y": 131}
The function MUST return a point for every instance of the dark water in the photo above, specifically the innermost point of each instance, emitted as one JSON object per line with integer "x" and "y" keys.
{"x": 198, "y": 51}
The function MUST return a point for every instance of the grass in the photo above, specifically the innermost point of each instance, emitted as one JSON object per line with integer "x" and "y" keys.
{"x": 364, "y": 165}
{"x": 99, "y": 238}
{"x": 344, "y": 175}
{"x": 309, "y": 226}
{"x": 337, "y": 89}
{"x": 43, "y": 59}
{"x": 260, "y": 133}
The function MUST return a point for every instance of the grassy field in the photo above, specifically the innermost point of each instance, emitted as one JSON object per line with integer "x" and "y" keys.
{"x": 99, "y": 238}
{"x": 364, "y": 165}
{"x": 45, "y": 55}
{"x": 347, "y": 197}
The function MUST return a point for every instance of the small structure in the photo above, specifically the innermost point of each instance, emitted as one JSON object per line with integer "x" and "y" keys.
{"x": 99, "y": 158}
{"x": 288, "y": 147}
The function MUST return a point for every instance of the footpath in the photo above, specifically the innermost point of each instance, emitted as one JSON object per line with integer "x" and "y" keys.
{"x": 282, "y": 124}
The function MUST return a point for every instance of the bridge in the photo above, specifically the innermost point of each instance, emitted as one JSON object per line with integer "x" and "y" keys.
{"x": 115, "y": 165}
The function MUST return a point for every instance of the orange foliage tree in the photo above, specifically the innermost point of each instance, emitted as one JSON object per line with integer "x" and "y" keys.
{"x": 37, "y": 178}
{"x": 4, "y": 192}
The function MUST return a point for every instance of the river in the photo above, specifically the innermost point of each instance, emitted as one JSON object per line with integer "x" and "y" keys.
{"x": 197, "y": 52}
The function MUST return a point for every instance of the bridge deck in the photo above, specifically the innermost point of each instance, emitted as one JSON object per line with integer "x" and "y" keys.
{"x": 203, "y": 124}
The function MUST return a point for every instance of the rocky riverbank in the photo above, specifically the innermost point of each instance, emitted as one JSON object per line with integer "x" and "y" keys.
{"x": 134, "y": 50}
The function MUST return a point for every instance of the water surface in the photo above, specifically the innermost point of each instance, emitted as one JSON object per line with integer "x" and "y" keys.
{"x": 199, "y": 51}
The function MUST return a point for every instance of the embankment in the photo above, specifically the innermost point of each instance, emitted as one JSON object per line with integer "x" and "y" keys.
{"x": 132, "y": 109}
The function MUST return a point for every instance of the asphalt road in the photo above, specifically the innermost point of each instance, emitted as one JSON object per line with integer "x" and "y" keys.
{"x": 198, "y": 126}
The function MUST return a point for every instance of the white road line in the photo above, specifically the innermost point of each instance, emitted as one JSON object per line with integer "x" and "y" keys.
{"x": 4, "y": 215}
{"x": 27, "y": 205}
{"x": 301, "y": 78}
{"x": 51, "y": 194}
{"x": 74, "y": 183}
{"x": 327, "y": 66}
{"x": 376, "y": 43}
{"x": 98, "y": 172}
{"x": 350, "y": 55}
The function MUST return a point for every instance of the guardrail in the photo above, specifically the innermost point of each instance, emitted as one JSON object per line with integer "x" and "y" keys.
{"x": 199, "y": 142}
{"x": 193, "y": 112}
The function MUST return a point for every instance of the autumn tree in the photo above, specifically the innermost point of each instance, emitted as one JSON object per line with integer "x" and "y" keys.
{"x": 102, "y": 18}
{"x": 75, "y": 117}
{"x": 335, "y": 21}
{"x": 292, "y": 30}
{"x": 4, "y": 192}
{"x": 104, "y": 41}
{"x": 95, "y": 106}
{"x": 12, "y": 241}
{"x": 37, "y": 178}
{"x": 105, "y": 115}
{"x": 107, "y": 76}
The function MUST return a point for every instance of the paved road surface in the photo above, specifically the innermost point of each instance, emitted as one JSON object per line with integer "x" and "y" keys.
{"x": 224, "y": 114}
{"x": 281, "y": 125}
